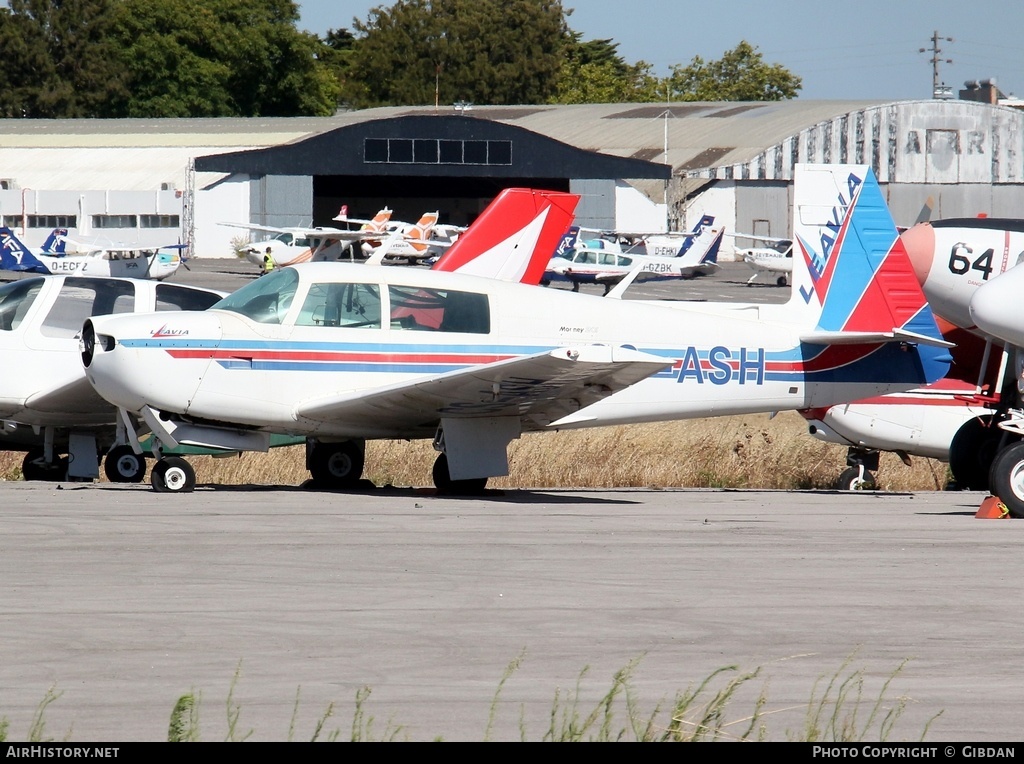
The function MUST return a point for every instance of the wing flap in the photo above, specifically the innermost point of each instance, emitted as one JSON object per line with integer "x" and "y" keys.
{"x": 864, "y": 338}
{"x": 541, "y": 387}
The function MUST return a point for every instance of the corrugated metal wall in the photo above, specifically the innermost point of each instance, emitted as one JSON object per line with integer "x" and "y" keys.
{"x": 281, "y": 200}
{"x": 597, "y": 203}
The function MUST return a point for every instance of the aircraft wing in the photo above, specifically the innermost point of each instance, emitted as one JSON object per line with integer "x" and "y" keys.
{"x": 336, "y": 234}
{"x": 74, "y": 395}
{"x": 541, "y": 388}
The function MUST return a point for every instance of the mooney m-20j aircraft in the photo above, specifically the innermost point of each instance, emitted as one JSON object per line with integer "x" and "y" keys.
{"x": 355, "y": 352}
{"x": 128, "y": 261}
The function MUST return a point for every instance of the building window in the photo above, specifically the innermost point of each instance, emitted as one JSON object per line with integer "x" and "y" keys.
{"x": 50, "y": 221}
{"x": 114, "y": 221}
{"x": 431, "y": 151}
{"x": 159, "y": 221}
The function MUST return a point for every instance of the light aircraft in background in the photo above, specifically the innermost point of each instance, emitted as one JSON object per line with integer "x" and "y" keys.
{"x": 47, "y": 408}
{"x": 127, "y": 261}
{"x": 604, "y": 261}
{"x": 773, "y": 260}
{"x": 293, "y": 245}
{"x": 365, "y": 352}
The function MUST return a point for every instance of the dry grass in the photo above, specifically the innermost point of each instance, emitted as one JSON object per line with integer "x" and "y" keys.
{"x": 725, "y": 452}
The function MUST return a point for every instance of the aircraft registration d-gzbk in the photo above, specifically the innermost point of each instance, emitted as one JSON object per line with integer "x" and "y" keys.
{"x": 47, "y": 408}
{"x": 604, "y": 261}
{"x": 345, "y": 353}
{"x": 117, "y": 261}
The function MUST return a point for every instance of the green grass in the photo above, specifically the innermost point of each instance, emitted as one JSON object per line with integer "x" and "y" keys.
{"x": 838, "y": 712}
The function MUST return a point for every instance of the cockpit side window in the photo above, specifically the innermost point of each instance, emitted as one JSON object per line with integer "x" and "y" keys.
{"x": 420, "y": 309}
{"x": 81, "y": 298}
{"x": 265, "y": 300}
{"x": 351, "y": 306}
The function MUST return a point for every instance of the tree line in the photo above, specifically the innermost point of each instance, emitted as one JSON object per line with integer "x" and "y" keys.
{"x": 247, "y": 58}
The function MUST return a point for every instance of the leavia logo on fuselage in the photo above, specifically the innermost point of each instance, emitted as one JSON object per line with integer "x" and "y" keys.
{"x": 817, "y": 264}
{"x": 163, "y": 331}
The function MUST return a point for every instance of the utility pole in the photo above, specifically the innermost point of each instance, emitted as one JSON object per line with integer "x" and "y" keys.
{"x": 939, "y": 89}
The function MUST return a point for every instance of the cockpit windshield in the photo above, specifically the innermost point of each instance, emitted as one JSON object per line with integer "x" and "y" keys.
{"x": 266, "y": 299}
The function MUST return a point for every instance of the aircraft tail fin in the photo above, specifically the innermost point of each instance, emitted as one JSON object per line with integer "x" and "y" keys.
{"x": 379, "y": 222}
{"x": 852, "y": 279}
{"x": 15, "y": 256}
{"x": 56, "y": 242}
{"x": 514, "y": 237}
{"x": 702, "y": 232}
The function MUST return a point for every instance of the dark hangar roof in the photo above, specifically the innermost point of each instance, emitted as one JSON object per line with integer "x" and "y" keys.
{"x": 431, "y": 145}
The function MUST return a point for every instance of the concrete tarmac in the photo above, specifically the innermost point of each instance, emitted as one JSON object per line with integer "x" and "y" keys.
{"x": 123, "y": 600}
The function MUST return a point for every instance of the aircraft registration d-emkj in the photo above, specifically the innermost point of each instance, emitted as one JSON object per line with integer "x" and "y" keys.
{"x": 47, "y": 408}
{"x": 127, "y": 261}
{"x": 357, "y": 352}
{"x": 605, "y": 261}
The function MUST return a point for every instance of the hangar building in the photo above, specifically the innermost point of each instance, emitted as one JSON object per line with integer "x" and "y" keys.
{"x": 637, "y": 166}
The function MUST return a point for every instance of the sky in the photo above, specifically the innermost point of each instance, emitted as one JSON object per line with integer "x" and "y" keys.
{"x": 854, "y": 50}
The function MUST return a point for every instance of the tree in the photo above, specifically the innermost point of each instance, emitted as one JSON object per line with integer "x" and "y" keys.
{"x": 481, "y": 51}
{"x": 59, "y": 60}
{"x": 594, "y": 72}
{"x": 740, "y": 75}
{"x": 208, "y": 58}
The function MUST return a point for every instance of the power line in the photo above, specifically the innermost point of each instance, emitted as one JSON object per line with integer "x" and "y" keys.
{"x": 938, "y": 90}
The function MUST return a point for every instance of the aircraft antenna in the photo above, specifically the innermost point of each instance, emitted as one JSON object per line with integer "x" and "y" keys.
{"x": 939, "y": 89}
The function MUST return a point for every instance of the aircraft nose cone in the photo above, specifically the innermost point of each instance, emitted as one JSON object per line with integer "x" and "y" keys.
{"x": 919, "y": 241}
{"x": 994, "y": 307}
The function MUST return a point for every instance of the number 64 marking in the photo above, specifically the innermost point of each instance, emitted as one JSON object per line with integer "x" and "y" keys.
{"x": 960, "y": 262}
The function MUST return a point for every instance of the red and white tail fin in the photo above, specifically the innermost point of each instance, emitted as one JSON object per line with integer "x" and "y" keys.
{"x": 514, "y": 237}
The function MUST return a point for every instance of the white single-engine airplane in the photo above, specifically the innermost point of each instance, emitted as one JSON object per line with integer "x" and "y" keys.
{"x": 604, "y": 261}
{"x": 362, "y": 352}
{"x": 774, "y": 260}
{"x": 114, "y": 260}
{"x": 47, "y": 407}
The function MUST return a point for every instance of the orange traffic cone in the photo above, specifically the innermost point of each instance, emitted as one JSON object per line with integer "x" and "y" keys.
{"x": 992, "y": 509}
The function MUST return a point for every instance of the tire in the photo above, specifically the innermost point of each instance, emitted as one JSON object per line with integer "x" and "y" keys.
{"x": 337, "y": 465}
{"x": 172, "y": 474}
{"x": 972, "y": 453}
{"x": 850, "y": 480}
{"x": 780, "y": 281}
{"x": 1008, "y": 478}
{"x": 444, "y": 483}
{"x": 122, "y": 465}
{"x": 33, "y": 467}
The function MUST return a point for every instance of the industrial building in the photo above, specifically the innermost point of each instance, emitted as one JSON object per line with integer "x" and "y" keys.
{"x": 637, "y": 166}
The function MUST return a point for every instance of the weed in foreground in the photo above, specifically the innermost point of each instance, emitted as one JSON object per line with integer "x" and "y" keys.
{"x": 701, "y": 713}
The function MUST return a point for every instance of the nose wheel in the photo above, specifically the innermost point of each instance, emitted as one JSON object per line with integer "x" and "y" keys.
{"x": 172, "y": 474}
{"x": 122, "y": 465}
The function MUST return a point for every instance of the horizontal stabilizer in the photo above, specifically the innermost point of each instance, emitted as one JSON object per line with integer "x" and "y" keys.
{"x": 866, "y": 338}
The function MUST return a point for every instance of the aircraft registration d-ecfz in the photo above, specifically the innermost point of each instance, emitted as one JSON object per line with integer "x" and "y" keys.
{"x": 346, "y": 353}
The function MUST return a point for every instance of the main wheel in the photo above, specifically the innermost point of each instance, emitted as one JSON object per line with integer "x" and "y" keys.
{"x": 122, "y": 465}
{"x": 337, "y": 465}
{"x": 172, "y": 474}
{"x": 1008, "y": 478}
{"x": 444, "y": 483}
{"x": 780, "y": 281}
{"x": 850, "y": 480}
{"x": 34, "y": 468}
{"x": 972, "y": 452}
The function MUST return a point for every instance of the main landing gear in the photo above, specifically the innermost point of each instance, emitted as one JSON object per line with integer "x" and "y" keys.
{"x": 123, "y": 465}
{"x": 172, "y": 474}
{"x": 444, "y": 483}
{"x": 335, "y": 465}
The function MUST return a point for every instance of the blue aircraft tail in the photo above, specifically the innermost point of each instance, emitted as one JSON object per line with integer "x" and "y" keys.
{"x": 568, "y": 242}
{"x": 15, "y": 256}
{"x": 56, "y": 242}
{"x": 703, "y": 225}
{"x": 854, "y": 284}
